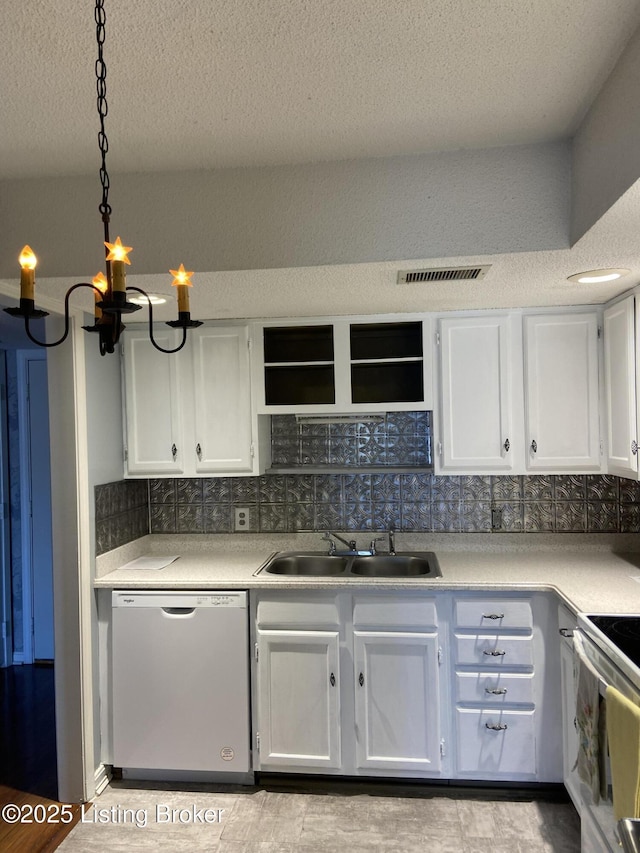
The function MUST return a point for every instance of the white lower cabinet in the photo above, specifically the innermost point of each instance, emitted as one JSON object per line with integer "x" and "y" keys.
{"x": 496, "y": 742}
{"x": 407, "y": 684}
{"x": 347, "y": 684}
{"x": 505, "y": 688}
{"x": 397, "y": 701}
{"x": 298, "y": 683}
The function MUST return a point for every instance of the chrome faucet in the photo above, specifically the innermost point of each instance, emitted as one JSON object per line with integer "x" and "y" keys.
{"x": 392, "y": 542}
{"x": 350, "y": 545}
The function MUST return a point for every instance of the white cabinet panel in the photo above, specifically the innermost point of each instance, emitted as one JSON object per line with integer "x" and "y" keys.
{"x": 397, "y": 700}
{"x": 495, "y": 649}
{"x": 153, "y": 404}
{"x": 561, "y": 392}
{"x": 298, "y": 698}
{"x": 222, "y": 397}
{"x": 190, "y": 413}
{"x": 379, "y": 715}
{"x": 496, "y": 743}
{"x": 476, "y": 423}
{"x": 620, "y": 384}
{"x": 480, "y": 612}
{"x": 496, "y": 688}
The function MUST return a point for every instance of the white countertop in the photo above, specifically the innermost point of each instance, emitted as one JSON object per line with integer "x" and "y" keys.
{"x": 583, "y": 570}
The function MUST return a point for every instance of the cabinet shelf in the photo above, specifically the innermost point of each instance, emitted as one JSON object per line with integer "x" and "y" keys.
{"x": 345, "y": 366}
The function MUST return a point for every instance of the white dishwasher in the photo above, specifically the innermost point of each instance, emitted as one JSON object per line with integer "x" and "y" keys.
{"x": 180, "y": 681}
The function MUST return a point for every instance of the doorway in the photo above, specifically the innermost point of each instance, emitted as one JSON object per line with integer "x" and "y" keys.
{"x": 35, "y": 500}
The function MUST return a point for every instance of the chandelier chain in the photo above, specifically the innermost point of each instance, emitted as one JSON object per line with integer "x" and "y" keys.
{"x": 103, "y": 108}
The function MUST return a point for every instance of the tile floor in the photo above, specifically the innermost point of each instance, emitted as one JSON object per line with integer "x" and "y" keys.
{"x": 268, "y": 820}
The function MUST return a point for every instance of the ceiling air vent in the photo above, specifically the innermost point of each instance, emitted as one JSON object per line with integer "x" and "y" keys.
{"x": 443, "y": 274}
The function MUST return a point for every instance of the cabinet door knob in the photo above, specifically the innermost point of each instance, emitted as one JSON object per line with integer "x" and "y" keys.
{"x": 361, "y": 679}
{"x": 534, "y": 446}
{"x": 496, "y": 691}
{"x": 174, "y": 451}
{"x": 198, "y": 451}
{"x": 496, "y": 727}
{"x": 507, "y": 446}
{"x": 494, "y": 652}
{"x": 332, "y": 680}
{"x": 634, "y": 447}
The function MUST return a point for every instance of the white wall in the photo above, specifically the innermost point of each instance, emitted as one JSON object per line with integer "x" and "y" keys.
{"x": 105, "y": 465}
{"x": 606, "y": 148}
{"x": 437, "y": 205}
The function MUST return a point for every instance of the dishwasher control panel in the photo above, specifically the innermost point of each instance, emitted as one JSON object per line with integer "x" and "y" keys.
{"x": 162, "y": 598}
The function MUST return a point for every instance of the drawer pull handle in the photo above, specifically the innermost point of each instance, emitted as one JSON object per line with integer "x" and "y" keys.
{"x": 495, "y": 653}
{"x": 493, "y": 615}
{"x": 497, "y": 727}
{"x": 566, "y": 632}
{"x": 332, "y": 680}
{"x": 496, "y": 691}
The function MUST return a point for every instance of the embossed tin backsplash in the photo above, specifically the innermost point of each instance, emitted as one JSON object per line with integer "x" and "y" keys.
{"x": 412, "y": 502}
{"x": 397, "y": 440}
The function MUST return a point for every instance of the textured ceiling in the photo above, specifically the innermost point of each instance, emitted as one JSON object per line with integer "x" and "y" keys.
{"x": 201, "y": 84}
{"x": 224, "y": 83}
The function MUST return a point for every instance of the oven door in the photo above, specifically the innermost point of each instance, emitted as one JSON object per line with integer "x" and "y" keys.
{"x": 598, "y": 824}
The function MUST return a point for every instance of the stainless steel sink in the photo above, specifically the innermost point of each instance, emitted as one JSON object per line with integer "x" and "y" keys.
{"x": 424, "y": 564}
{"x": 308, "y": 564}
{"x": 421, "y": 564}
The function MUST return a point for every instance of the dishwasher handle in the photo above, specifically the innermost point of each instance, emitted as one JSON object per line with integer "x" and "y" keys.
{"x": 179, "y": 611}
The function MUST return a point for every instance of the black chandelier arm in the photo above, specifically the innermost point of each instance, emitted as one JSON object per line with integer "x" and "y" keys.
{"x": 65, "y": 334}
{"x": 151, "y": 338}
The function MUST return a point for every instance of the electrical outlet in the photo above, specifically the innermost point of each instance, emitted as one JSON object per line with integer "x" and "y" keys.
{"x": 496, "y": 518}
{"x": 242, "y": 518}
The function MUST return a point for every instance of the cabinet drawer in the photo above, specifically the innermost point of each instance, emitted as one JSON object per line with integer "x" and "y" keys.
{"x": 493, "y": 650}
{"x": 318, "y": 611}
{"x": 394, "y": 611}
{"x": 495, "y": 688}
{"x": 488, "y": 752}
{"x": 493, "y": 613}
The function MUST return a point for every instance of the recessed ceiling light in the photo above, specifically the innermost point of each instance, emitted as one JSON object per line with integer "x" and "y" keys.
{"x": 154, "y": 298}
{"x": 595, "y": 276}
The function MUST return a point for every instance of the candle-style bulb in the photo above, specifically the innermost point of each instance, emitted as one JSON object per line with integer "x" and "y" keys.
{"x": 118, "y": 252}
{"x": 100, "y": 282}
{"x": 118, "y": 257}
{"x": 28, "y": 263}
{"x": 182, "y": 280}
{"x": 27, "y": 259}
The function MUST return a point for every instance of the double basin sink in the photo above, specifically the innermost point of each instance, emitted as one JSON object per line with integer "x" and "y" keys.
{"x": 421, "y": 564}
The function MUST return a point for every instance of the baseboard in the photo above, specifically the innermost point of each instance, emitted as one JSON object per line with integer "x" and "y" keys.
{"x": 102, "y": 777}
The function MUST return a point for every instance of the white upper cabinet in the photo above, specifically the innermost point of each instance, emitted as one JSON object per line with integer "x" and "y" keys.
{"x": 476, "y": 419}
{"x": 620, "y": 384}
{"x": 190, "y": 413}
{"x": 344, "y": 366}
{"x": 222, "y": 399}
{"x": 561, "y": 392}
{"x": 153, "y": 404}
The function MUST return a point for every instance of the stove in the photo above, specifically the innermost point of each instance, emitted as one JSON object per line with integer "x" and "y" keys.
{"x": 617, "y": 636}
{"x": 624, "y": 633}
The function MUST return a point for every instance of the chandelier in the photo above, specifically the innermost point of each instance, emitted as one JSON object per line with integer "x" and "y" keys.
{"x": 110, "y": 290}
